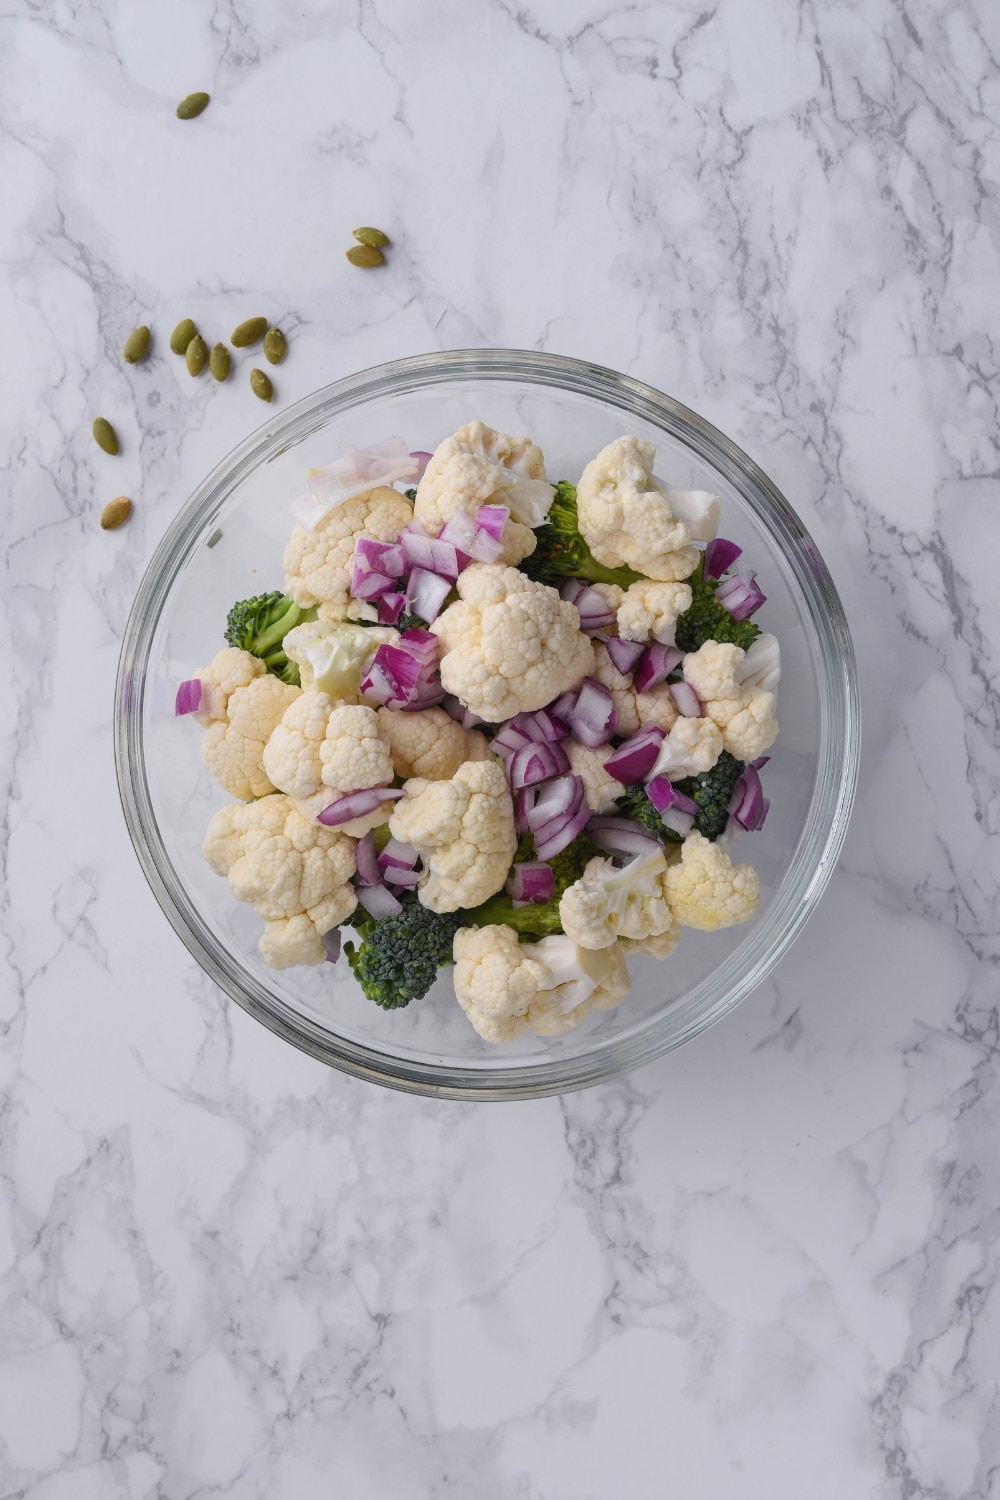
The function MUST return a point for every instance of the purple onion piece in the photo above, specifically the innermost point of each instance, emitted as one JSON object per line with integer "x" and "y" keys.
{"x": 356, "y": 805}
{"x": 536, "y": 762}
{"x": 423, "y": 459}
{"x": 530, "y": 880}
{"x": 423, "y": 645}
{"x": 367, "y": 861}
{"x": 453, "y": 707}
{"x": 760, "y": 762}
{"x": 550, "y": 843}
{"x": 390, "y": 607}
{"x": 378, "y": 901}
{"x": 677, "y": 821}
{"x": 719, "y": 555}
{"x": 426, "y": 592}
{"x": 392, "y": 677}
{"x": 460, "y": 530}
{"x": 661, "y": 793}
{"x": 492, "y": 519}
{"x": 403, "y": 856}
{"x": 405, "y": 879}
{"x": 740, "y": 596}
{"x": 594, "y": 718}
{"x": 331, "y": 942}
{"x": 621, "y": 835}
{"x": 381, "y": 557}
{"x": 623, "y": 654}
{"x": 687, "y": 700}
{"x": 635, "y": 759}
{"x": 188, "y": 700}
{"x": 370, "y": 585}
{"x": 657, "y": 663}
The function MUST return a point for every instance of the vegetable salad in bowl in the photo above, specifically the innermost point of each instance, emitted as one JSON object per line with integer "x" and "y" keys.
{"x": 494, "y": 723}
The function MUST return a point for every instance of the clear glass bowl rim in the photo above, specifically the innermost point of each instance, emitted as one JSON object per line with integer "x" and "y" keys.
{"x": 839, "y": 749}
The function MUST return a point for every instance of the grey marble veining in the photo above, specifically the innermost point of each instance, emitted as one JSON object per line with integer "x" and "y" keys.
{"x": 764, "y": 1266}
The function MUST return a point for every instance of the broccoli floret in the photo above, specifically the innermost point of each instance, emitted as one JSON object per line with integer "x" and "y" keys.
{"x": 712, "y": 791}
{"x": 398, "y": 958}
{"x": 411, "y": 495}
{"x": 260, "y": 625}
{"x": 534, "y": 920}
{"x": 707, "y": 620}
{"x": 561, "y": 551}
{"x": 636, "y": 804}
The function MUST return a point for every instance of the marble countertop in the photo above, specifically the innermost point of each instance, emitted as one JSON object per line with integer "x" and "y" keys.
{"x": 765, "y": 1265}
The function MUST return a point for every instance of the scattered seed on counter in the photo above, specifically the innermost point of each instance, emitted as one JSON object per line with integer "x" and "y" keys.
{"x": 182, "y": 336}
{"x": 116, "y": 513}
{"x": 192, "y": 105}
{"x": 215, "y": 537}
{"x": 137, "y": 345}
{"x": 365, "y": 255}
{"x": 197, "y": 355}
{"x": 261, "y": 385}
{"x": 220, "y": 362}
{"x": 251, "y": 331}
{"x": 105, "y": 435}
{"x": 371, "y": 237}
{"x": 275, "y": 346}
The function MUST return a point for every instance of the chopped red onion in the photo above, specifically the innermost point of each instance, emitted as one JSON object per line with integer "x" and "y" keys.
{"x": 460, "y": 530}
{"x": 636, "y": 758}
{"x": 594, "y": 718}
{"x": 453, "y": 706}
{"x": 370, "y": 585}
{"x": 381, "y": 557}
{"x": 553, "y": 840}
{"x": 378, "y": 901}
{"x": 426, "y": 592}
{"x": 423, "y": 459}
{"x": 623, "y": 654}
{"x": 484, "y": 548}
{"x": 740, "y": 596}
{"x": 747, "y": 802}
{"x": 390, "y": 607}
{"x": 430, "y": 553}
{"x": 356, "y": 805}
{"x": 421, "y": 644}
{"x": 719, "y": 555}
{"x": 678, "y": 821}
{"x": 760, "y": 762}
{"x": 403, "y": 856}
{"x": 471, "y": 720}
{"x": 543, "y": 725}
{"x": 594, "y": 610}
{"x": 405, "y": 879}
{"x": 657, "y": 663}
{"x": 188, "y": 700}
{"x": 621, "y": 835}
{"x": 331, "y": 942}
{"x": 367, "y": 861}
{"x": 687, "y": 700}
{"x": 492, "y": 519}
{"x": 510, "y": 737}
{"x": 392, "y": 677}
{"x": 563, "y": 707}
{"x": 530, "y": 880}
{"x": 536, "y": 762}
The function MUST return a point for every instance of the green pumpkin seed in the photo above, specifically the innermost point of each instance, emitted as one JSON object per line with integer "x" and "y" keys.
{"x": 116, "y": 513}
{"x": 220, "y": 362}
{"x": 248, "y": 332}
{"x": 196, "y": 355}
{"x": 182, "y": 335}
{"x": 373, "y": 237}
{"x": 191, "y": 106}
{"x": 105, "y": 435}
{"x": 275, "y": 346}
{"x": 261, "y": 385}
{"x": 365, "y": 255}
{"x": 137, "y": 345}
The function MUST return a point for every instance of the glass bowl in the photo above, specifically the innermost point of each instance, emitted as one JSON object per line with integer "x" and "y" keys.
{"x": 571, "y": 409}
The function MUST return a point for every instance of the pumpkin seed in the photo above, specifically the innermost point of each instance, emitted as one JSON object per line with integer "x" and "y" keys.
{"x": 248, "y": 332}
{"x": 215, "y": 537}
{"x": 197, "y": 355}
{"x": 261, "y": 385}
{"x": 373, "y": 237}
{"x": 275, "y": 346}
{"x": 192, "y": 105}
{"x": 365, "y": 255}
{"x": 137, "y": 345}
{"x": 220, "y": 362}
{"x": 105, "y": 435}
{"x": 182, "y": 335}
{"x": 116, "y": 513}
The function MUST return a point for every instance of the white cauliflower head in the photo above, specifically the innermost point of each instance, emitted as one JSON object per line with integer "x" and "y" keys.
{"x": 626, "y": 520}
{"x": 743, "y": 713}
{"x": 579, "y": 980}
{"x": 481, "y": 467}
{"x": 706, "y": 890}
{"x": 761, "y": 666}
{"x": 509, "y": 645}
{"x": 691, "y": 747}
{"x": 463, "y": 829}
{"x": 429, "y": 743}
{"x": 332, "y": 655}
{"x": 634, "y": 709}
{"x": 319, "y": 743}
{"x": 231, "y": 668}
{"x": 608, "y": 903}
{"x": 318, "y": 563}
{"x": 599, "y": 787}
{"x": 496, "y": 979}
{"x": 649, "y": 611}
{"x": 233, "y": 747}
{"x": 291, "y": 871}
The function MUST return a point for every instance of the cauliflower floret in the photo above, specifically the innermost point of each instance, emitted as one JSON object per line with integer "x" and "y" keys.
{"x": 599, "y": 787}
{"x": 233, "y": 747}
{"x": 607, "y": 903}
{"x": 626, "y": 520}
{"x": 293, "y": 873}
{"x": 333, "y": 655}
{"x": 579, "y": 980}
{"x": 761, "y": 666}
{"x": 698, "y": 509}
{"x": 318, "y": 563}
{"x": 742, "y": 712}
{"x": 509, "y": 645}
{"x": 429, "y": 743}
{"x": 496, "y": 979}
{"x": 706, "y": 890}
{"x": 481, "y": 467}
{"x": 649, "y": 611}
{"x": 634, "y": 709}
{"x": 691, "y": 747}
{"x": 660, "y": 946}
{"x": 319, "y": 743}
{"x": 230, "y": 669}
{"x": 463, "y": 829}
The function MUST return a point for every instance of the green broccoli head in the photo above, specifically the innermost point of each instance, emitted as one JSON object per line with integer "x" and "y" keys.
{"x": 398, "y": 957}
{"x": 534, "y": 920}
{"x": 259, "y": 625}
{"x": 707, "y": 620}
{"x": 561, "y": 552}
{"x": 712, "y": 791}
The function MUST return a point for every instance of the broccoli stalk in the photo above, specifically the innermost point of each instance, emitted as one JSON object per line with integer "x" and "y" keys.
{"x": 707, "y": 620}
{"x": 534, "y": 920}
{"x": 259, "y": 625}
{"x": 561, "y": 551}
{"x": 398, "y": 957}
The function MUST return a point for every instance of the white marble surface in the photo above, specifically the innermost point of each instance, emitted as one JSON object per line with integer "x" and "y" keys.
{"x": 764, "y": 1266}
